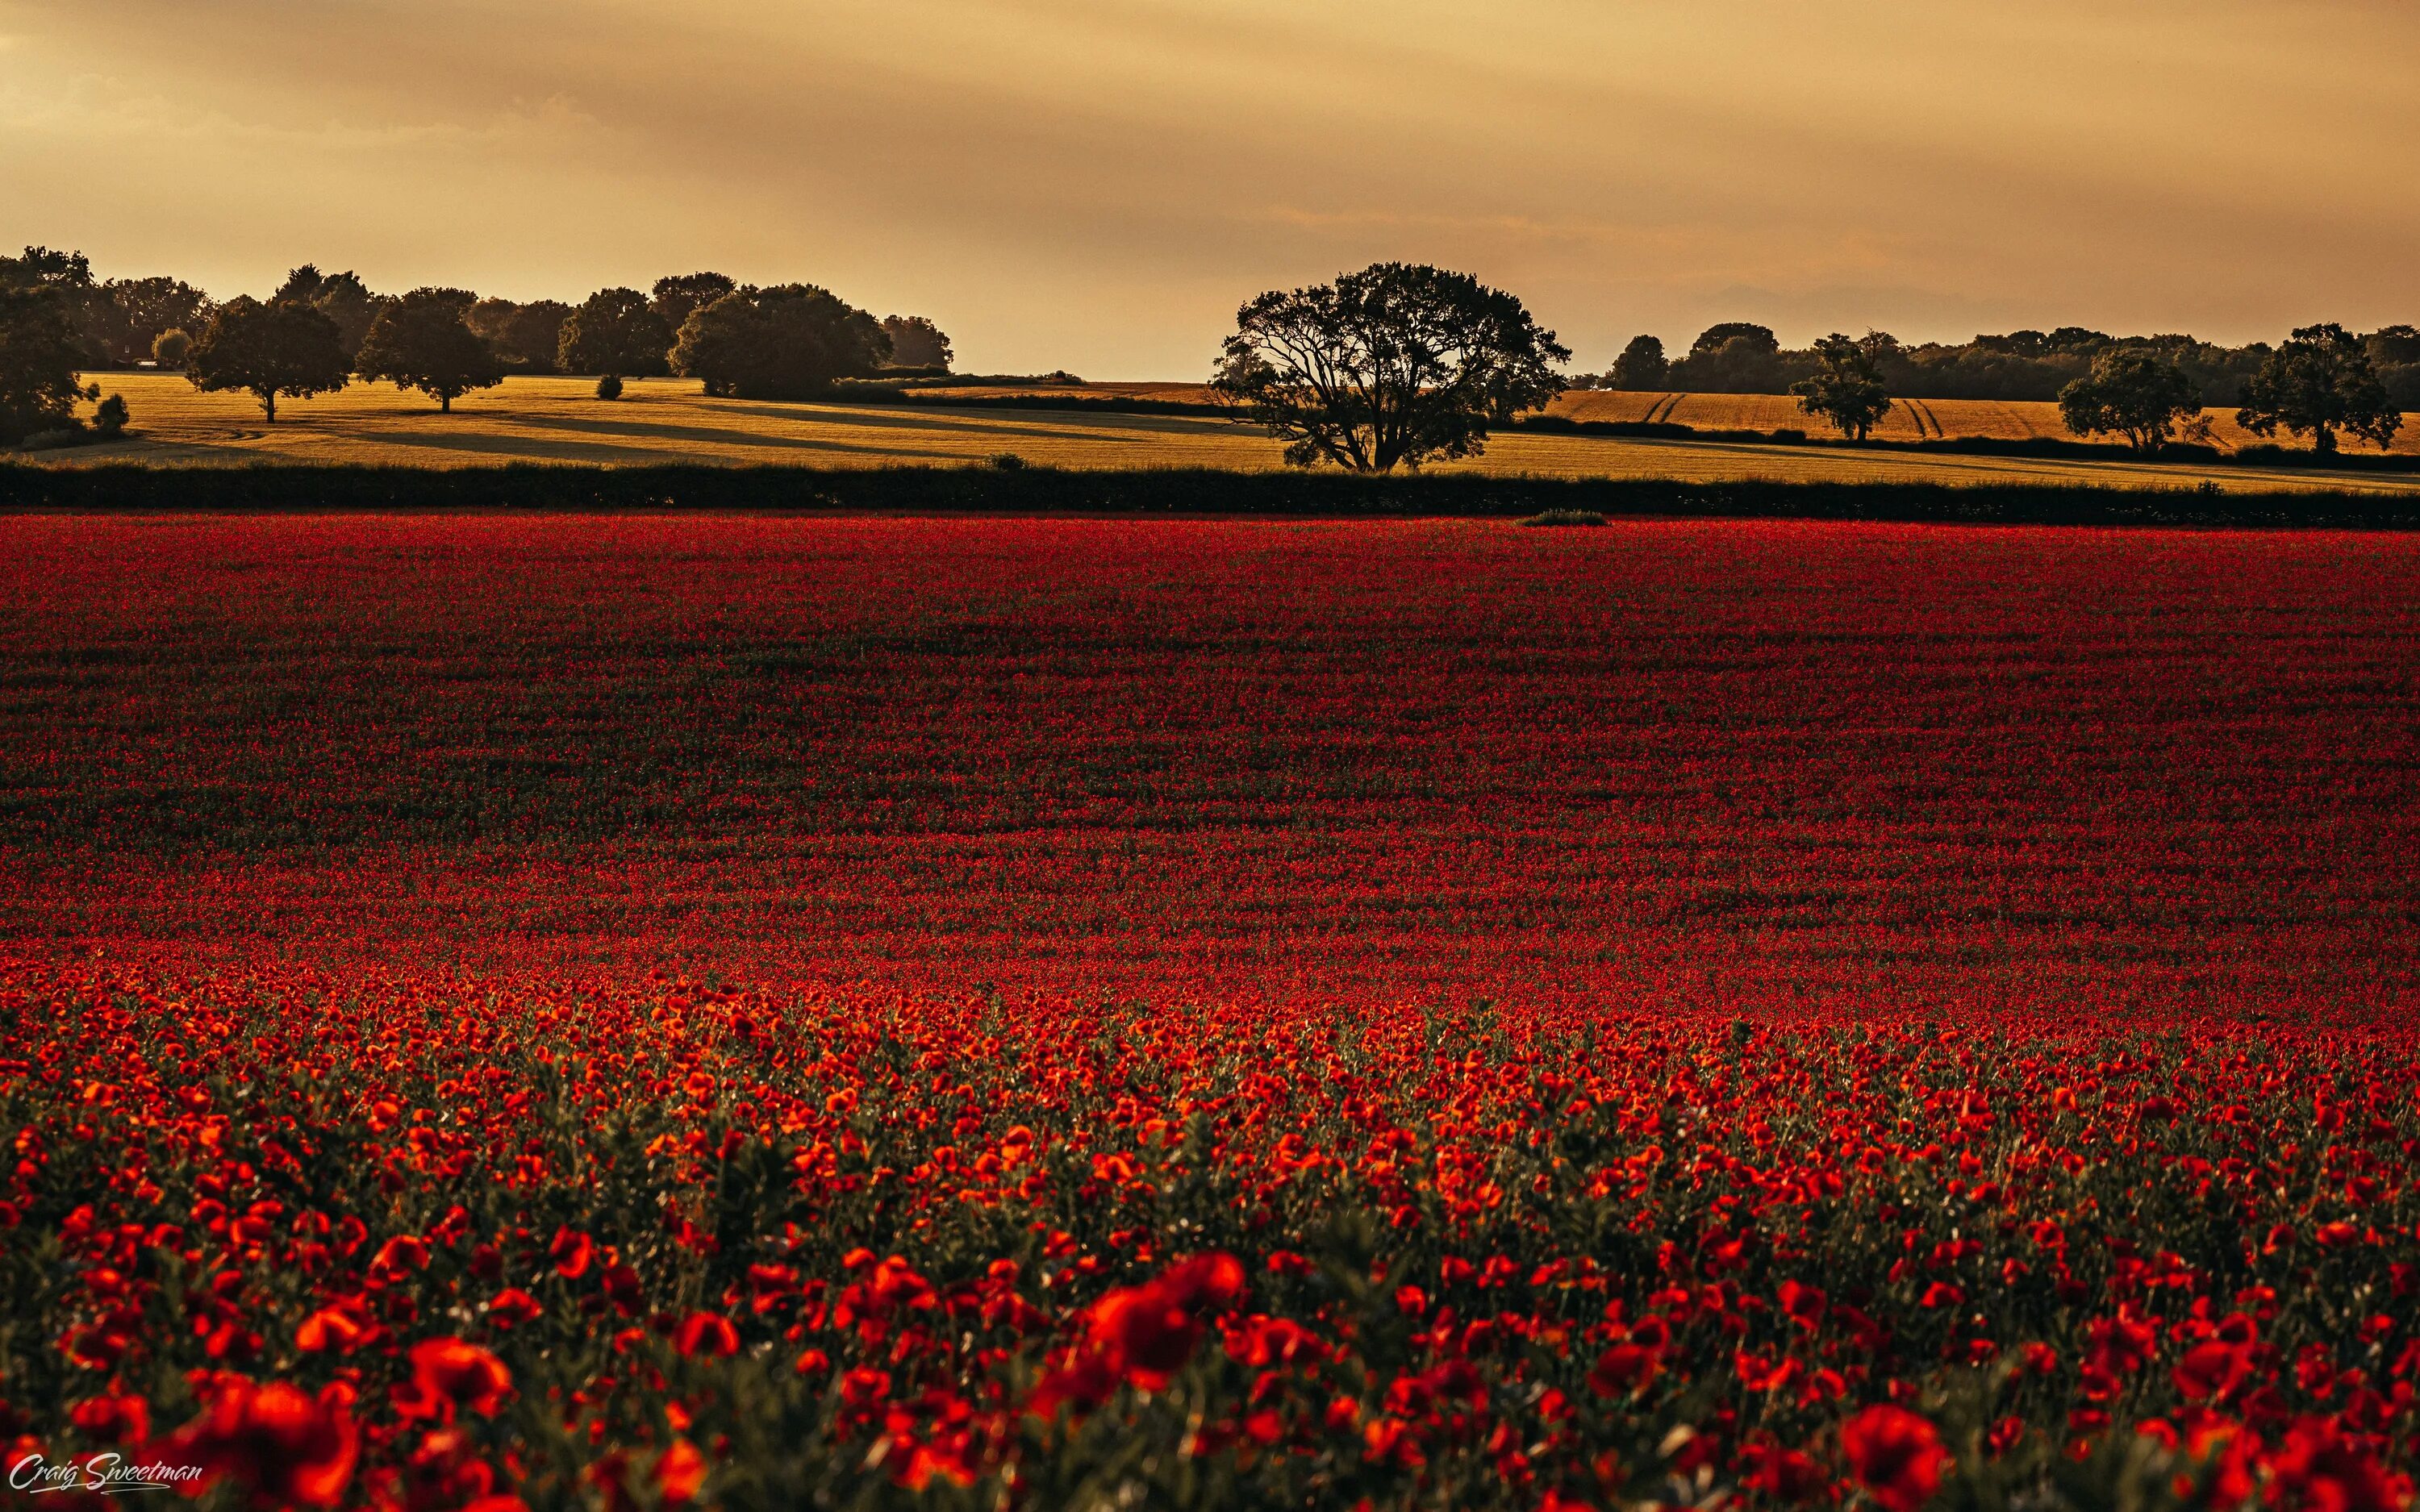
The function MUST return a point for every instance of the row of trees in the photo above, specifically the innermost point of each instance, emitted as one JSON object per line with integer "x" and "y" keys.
{"x": 319, "y": 331}
{"x": 1739, "y": 356}
{"x": 2320, "y": 384}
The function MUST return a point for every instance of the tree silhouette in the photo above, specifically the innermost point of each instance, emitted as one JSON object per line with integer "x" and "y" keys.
{"x": 2130, "y": 392}
{"x": 269, "y": 350}
{"x": 915, "y": 341}
{"x": 675, "y": 299}
{"x": 792, "y": 341}
{"x": 423, "y": 341}
{"x": 1395, "y": 364}
{"x": 343, "y": 298}
{"x": 1641, "y": 366}
{"x": 614, "y": 334}
{"x": 39, "y": 354}
{"x": 2317, "y": 383}
{"x": 1847, "y": 388}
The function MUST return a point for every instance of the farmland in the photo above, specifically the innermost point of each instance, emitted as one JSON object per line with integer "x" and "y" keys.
{"x": 559, "y": 420}
{"x": 768, "y": 1012}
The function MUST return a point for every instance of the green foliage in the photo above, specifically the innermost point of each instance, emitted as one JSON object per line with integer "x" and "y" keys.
{"x": 792, "y": 341}
{"x": 675, "y": 299}
{"x": 423, "y": 341}
{"x": 290, "y": 349}
{"x": 1641, "y": 366}
{"x": 170, "y": 348}
{"x": 39, "y": 353}
{"x": 343, "y": 298}
{"x": 2135, "y": 393}
{"x": 613, "y": 333}
{"x": 2317, "y": 383}
{"x": 916, "y": 343}
{"x": 1396, "y": 364}
{"x": 526, "y": 336}
{"x": 1847, "y": 388}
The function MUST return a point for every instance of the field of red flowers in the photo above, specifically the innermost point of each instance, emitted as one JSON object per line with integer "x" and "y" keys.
{"x": 614, "y": 1011}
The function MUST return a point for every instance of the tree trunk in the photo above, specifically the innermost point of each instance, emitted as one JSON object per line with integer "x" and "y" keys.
{"x": 445, "y": 404}
{"x": 2323, "y": 439}
{"x": 269, "y": 405}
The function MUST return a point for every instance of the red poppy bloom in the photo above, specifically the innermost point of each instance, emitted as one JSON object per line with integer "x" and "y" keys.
{"x": 449, "y": 1373}
{"x": 283, "y": 1444}
{"x": 707, "y": 1334}
{"x": 1895, "y": 1455}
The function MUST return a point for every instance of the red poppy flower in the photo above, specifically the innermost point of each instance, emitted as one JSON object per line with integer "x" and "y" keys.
{"x": 572, "y": 1253}
{"x": 1895, "y": 1455}
{"x": 450, "y": 1373}
{"x": 706, "y": 1333}
{"x": 284, "y": 1445}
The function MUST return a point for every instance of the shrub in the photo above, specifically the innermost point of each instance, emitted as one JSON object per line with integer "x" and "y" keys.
{"x": 110, "y": 419}
{"x": 609, "y": 387}
{"x": 1007, "y": 461}
{"x": 1565, "y": 516}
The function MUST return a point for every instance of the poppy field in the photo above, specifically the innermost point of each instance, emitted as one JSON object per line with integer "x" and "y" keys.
{"x": 623, "y": 1012}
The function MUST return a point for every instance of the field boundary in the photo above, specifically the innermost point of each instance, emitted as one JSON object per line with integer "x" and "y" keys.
{"x": 978, "y": 490}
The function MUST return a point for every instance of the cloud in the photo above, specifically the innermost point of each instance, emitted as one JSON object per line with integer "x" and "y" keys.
{"x": 1096, "y": 184}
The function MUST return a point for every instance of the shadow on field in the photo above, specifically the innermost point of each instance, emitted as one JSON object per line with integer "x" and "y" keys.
{"x": 716, "y": 436}
{"x": 1105, "y": 428}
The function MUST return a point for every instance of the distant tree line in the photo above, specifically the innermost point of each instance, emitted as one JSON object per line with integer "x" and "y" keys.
{"x": 317, "y": 332}
{"x": 1739, "y": 356}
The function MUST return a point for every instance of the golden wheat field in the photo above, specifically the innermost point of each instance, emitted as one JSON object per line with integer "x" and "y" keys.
{"x": 559, "y": 420}
{"x": 1909, "y": 419}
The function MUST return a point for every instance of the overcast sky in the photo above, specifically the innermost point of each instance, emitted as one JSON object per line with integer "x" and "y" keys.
{"x": 1096, "y": 184}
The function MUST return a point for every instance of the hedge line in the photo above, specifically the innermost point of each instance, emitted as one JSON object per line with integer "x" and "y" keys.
{"x": 1035, "y": 490}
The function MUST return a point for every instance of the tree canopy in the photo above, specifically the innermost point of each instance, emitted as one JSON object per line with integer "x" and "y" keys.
{"x": 915, "y": 341}
{"x": 39, "y": 353}
{"x": 526, "y": 336}
{"x": 343, "y": 298}
{"x": 1847, "y": 387}
{"x": 423, "y": 341}
{"x": 2317, "y": 383}
{"x": 1641, "y": 366}
{"x": 613, "y": 333}
{"x": 2135, "y": 393}
{"x": 793, "y": 341}
{"x": 1396, "y": 364}
{"x": 271, "y": 351}
{"x": 675, "y": 298}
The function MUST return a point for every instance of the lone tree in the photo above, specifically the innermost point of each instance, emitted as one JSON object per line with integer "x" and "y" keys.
{"x": 614, "y": 334}
{"x": 171, "y": 348}
{"x": 915, "y": 341}
{"x": 1397, "y": 363}
{"x": 675, "y": 299}
{"x": 423, "y": 341}
{"x": 267, "y": 350}
{"x": 2132, "y": 392}
{"x": 2317, "y": 383}
{"x": 1641, "y": 366}
{"x": 792, "y": 341}
{"x": 1847, "y": 388}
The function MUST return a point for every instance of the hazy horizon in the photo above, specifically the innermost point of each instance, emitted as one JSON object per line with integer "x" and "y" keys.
{"x": 1097, "y": 187}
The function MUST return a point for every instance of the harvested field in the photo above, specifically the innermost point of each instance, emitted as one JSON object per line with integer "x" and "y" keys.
{"x": 560, "y": 420}
{"x": 1991, "y": 419}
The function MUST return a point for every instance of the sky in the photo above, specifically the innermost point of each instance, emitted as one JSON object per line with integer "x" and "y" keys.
{"x": 1095, "y": 185}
